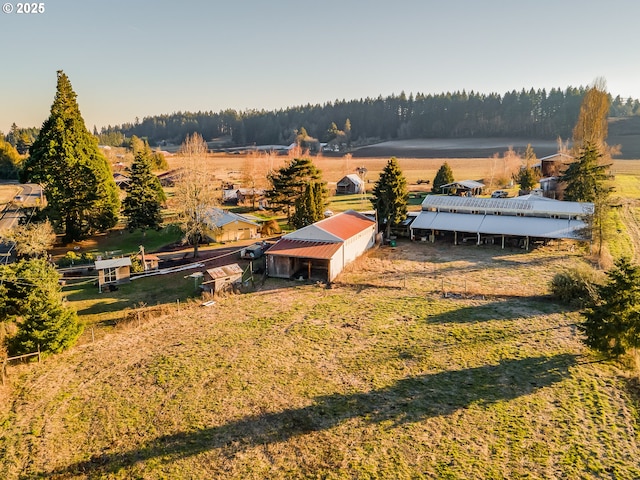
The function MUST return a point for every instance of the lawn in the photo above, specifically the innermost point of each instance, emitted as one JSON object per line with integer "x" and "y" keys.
{"x": 123, "y": 242}
{"x": 380, "y": 376}
{"x": 102, "y": 311}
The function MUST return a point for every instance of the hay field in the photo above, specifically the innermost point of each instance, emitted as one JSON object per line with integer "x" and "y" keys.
{"x": 379, "y": 377}
{"x": 233, "y": 167}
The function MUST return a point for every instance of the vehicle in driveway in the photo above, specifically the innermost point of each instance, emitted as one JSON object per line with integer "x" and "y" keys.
{"x": 500, "y": 194}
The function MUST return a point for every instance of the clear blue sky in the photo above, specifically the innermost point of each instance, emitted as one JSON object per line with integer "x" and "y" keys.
{"x": 136, "y": 58}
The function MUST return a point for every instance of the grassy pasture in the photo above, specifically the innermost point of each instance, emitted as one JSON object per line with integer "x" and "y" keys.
{"x": 380, "y": 376}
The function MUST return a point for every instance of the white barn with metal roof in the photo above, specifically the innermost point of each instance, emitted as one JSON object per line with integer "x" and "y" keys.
{"x": 528, "y": 216}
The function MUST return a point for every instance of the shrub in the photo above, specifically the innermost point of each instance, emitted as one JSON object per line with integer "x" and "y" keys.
{"x": 270, "y": 228}
{"x": 576, "y": 286}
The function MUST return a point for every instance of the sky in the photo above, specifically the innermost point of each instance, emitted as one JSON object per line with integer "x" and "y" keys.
{"x": 139, "y": 58}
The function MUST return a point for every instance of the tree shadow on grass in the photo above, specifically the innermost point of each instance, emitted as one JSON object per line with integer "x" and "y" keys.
{"x": 505, "y": 309}
{"x": 409, "y": 400}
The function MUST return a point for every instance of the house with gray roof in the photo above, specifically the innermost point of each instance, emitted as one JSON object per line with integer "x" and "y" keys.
{"x": 231, "y": 227}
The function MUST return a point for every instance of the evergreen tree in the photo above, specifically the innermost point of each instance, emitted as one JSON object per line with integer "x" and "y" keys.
{"x": 289, "y": 183}
{"x": 588, "y": 180}
{"x": 33, "y": 302}
{"x": 81, "y": 193}
{"x": 309, "y": 207}
{"x": 612, "y": 325}
{"x": 444, "y": 175}
{"x": 390, "y": 196}
{"x": 142, "y": 205}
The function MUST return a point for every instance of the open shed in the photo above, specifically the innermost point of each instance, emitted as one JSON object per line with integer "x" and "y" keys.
{"x": 463, "y": 188}
{"x": 487, "y": 219}
{"x": 218, "y": 278}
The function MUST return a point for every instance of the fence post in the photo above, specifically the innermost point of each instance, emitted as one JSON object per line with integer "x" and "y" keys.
{"x": 4, "y": 368}
{"x": 38, "y": 353}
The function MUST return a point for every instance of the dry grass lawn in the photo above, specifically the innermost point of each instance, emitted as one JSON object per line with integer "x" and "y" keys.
{"x": 380, "y": 376}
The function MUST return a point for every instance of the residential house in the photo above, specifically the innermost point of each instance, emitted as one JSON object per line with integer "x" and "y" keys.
{"x": 231, "y": 227}
{"x": 251, "y": 197}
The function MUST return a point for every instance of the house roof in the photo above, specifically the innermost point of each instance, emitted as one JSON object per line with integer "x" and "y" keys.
{"x": 304, "y": 249}
{"x": 113, "y": 263}
{"x": 220, "y": 218}
{"x": 251, "y": 191}
{"x": 557, "y": 156}
{"x": 337, "y": 228}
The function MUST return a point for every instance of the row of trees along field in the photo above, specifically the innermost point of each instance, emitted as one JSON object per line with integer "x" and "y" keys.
{"x": 533, "y": 113}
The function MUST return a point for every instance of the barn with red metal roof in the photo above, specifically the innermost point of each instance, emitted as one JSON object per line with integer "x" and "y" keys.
{"x": 321, "y": 251}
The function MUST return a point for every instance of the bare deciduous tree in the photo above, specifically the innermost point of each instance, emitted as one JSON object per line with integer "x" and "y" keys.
{"x": 33, "y": 239}
{"x": 195, "y": 193}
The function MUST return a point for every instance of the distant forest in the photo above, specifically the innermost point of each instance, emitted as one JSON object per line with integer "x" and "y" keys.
{"x": 535, "y": 114}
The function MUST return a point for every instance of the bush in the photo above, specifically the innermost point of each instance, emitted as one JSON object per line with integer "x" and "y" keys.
{"x": 576, "y": 286}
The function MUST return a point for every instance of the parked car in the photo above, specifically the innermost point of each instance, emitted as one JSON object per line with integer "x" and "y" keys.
{"x": 500, "y": 194}
{"x": 253, "y": 251}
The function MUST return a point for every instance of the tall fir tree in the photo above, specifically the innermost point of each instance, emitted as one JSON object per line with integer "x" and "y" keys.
{"x": 310, "y": 205}
{"x": 289, "y": 183}
{"x": 142, "y": 204}
{"x": 65, "y": 159}
{"x": 390, "y": 196}
{"x": 589, "y": 180}
{"x": 444, "y": 175}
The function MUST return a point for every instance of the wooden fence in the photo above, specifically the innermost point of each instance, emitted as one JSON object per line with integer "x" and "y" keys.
{"x": 19, "y": 357}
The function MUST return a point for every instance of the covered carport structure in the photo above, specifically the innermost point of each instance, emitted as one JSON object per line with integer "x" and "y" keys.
{"x": 485, "y": 219}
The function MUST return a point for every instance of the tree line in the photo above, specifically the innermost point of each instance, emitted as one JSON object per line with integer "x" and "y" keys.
{"x": 531, "y": 113}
